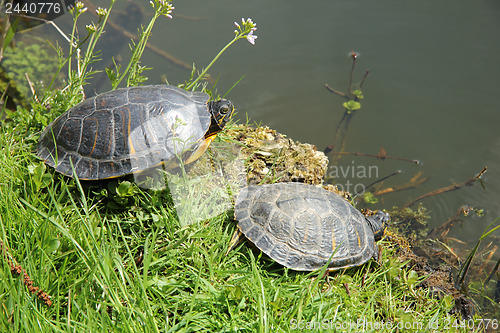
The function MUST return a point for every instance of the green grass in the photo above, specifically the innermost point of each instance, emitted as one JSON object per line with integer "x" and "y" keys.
{"x": 136, "y": 269}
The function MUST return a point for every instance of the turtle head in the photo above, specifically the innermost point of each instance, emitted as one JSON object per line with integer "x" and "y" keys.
{"x": 378, "y": 222}
{"x": 221, "y": 112}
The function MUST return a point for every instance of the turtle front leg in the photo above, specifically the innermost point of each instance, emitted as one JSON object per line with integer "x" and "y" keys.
{"x": 236, "y": 239}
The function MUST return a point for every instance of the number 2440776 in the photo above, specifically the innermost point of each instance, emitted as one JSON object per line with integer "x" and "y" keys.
{"x": 32, "y": 8}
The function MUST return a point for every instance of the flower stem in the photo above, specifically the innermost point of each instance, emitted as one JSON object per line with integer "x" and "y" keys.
{"x": 139, "y": 49}
{"x": 191, "y": 85}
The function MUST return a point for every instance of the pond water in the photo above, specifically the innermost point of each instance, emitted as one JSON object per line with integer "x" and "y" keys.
{"x": 432, "y": 93}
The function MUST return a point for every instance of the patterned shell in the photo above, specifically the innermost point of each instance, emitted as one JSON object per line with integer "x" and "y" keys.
{"x": 125, "y": 131}
{"x": 303, "y": 227}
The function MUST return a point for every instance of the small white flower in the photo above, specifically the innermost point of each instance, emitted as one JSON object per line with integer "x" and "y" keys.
{"x": 91, "y": 28}
{"x": 101, "y": 11}
{"x": 169, "y": 12}
{"x": 237, "y": 25}
{"x": 251, "y": 38}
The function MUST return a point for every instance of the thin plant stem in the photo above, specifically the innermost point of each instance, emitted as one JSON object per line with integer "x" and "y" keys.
{"x": 349, "y": 86}
{"x": 192, "y": 84}
{"x": 138, "y": 51}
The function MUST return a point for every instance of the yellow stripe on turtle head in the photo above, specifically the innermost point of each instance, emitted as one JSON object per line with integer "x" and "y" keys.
{"x": 201, "y": 148}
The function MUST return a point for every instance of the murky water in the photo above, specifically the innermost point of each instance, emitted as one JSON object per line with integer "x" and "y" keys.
{"x": 432, "y": 93}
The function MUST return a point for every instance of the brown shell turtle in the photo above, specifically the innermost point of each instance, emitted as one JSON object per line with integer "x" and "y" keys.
{"x": 132, "y": 129}
{"x": 304, "y": 227}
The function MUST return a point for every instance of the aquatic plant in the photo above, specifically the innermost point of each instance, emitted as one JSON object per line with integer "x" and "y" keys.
{"x": 31, "y": 66}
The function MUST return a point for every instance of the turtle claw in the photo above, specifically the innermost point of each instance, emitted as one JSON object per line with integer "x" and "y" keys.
{"x": 236, "y": 239}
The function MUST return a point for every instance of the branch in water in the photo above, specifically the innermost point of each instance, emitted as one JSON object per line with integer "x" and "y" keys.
{"x": 468, "y": 182}
{"x": 381, "y": 156}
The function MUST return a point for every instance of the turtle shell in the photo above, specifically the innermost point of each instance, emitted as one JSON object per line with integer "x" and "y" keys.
{"x": 304, "y": 227}
{"x": 125, "y": 131}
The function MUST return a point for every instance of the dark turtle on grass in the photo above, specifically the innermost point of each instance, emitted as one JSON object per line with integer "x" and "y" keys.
{"x": 304, "y": 227}
{"x": 132, "y": 129}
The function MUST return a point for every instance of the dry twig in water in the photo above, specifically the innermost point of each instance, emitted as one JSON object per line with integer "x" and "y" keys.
{"x": 468, "y": 182}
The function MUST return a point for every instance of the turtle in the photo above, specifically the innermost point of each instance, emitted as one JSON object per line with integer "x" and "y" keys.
{"x": 305, "y": 227}
{"x": 129, "y": 130}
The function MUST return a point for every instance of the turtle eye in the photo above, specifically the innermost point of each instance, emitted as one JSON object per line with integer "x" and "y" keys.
{"x": 224, "y": 110}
